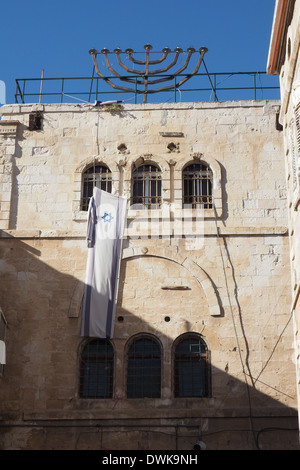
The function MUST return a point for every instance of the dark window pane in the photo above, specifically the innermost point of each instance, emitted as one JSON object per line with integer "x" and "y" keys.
{"x": 96, "y": 175}
{"x": 197, "y": 186}
{"x": 96, "y": 371}
{"x": 146, "y": 187}
{"x": 144, "y": 369}
{"x": 191, "y": 368}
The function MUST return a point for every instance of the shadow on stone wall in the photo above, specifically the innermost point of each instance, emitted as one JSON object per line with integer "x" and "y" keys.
{"x": 40, "y": 406}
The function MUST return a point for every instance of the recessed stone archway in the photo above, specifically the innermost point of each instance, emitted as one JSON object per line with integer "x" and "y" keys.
{"x": 194, "y": 269}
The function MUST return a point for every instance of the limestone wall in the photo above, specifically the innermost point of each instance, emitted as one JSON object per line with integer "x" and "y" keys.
{"x": 231, "y": 285}
{"x": 290, "y": 120}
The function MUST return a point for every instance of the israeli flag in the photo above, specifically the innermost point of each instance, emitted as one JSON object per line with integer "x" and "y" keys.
{"x": 106, "y": 223}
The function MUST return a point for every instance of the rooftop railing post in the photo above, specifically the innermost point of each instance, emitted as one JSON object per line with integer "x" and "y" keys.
{"x": 18, "y": 90}
{"x": 215, "y": 87}
{"x": 62, "y": 89}
{"x": 41, "y": 87}
{"x": 23, "y": 90}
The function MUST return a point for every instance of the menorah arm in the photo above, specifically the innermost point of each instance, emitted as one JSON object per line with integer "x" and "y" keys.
{"x": 154, "y": 82}
{"x": 202, "y": 51}
{"x": 109, "y": 66}
{"x": 165, "y": 69}
{"x": 150, "y": 72}
{"x": 93, "y": 53}
{"x": 134, "y": 72}
{"x": 168, "y": 78}
{"x": 185, "y": 64}
{"x": 143, "y": 81}
{"x": 165, "y": 51}
{"x": 159, "y": 80}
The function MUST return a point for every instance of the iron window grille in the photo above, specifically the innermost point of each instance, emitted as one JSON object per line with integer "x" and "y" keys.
{"x": 97, "y": 369}
{"x": 35, "y": 121}
{"x": 144, "y": 369}
{"x": 197, "y": 186}
{"x": 146, "y": 191}
{"x": 96, "y": 175}
{"x": 191, "y": 368}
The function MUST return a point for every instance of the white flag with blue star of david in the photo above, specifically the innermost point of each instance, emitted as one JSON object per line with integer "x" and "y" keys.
{"x": 106, "y": 224}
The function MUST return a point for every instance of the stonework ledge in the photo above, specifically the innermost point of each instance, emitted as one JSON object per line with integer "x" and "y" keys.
{"x": 41, "y": 234}
{"x": 155, "y": 410}
{"x": 223, "y": 232}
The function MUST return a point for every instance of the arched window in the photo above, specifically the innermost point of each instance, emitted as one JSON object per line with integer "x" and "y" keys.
{"x": 197, "y": 186}
{"x": 95, "y": 175}
{"x": 146, "y": 187}
{"x": 144, "y": 369}
{"x": 191, "y": 368}
{"x": 96, "y": 369}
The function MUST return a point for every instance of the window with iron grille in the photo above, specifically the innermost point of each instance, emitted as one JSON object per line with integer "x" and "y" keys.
{"x": 97, "y": 369}
{"x": 96, "y": 175}
{"x": 191, "y": 368}
{"x": 146, "y": 187}
{"x": 144, "y": 369}
{"x": 197, "y": 186}
{"x": 35, "y": 121}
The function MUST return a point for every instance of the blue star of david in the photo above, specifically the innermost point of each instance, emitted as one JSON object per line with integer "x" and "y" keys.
{"x": 107, "y": 217}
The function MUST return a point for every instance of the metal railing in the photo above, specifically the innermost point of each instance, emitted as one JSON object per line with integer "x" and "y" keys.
{"x": 213, "y": 87}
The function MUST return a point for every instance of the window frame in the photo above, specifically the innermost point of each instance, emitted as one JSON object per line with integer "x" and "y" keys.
{"x": 78, "y": 215}
{"x": 197, "y": 185}
{"x": 154, "y": 190}
{"x": 217, "y": 183}
{"x": 132, "y": 394}
{"x": 91, "y": 178}
{"x": 205, "y": 383}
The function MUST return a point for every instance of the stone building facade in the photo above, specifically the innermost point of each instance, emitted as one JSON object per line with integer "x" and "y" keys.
{"x": 284, "y": 60}
{"x": 203, "y": 341}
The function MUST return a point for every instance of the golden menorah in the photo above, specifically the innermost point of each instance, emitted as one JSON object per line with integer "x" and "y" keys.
{"x": 143, "y": 80}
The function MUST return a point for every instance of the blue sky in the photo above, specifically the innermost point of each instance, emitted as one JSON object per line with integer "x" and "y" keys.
{"x": 55, "y": 36}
